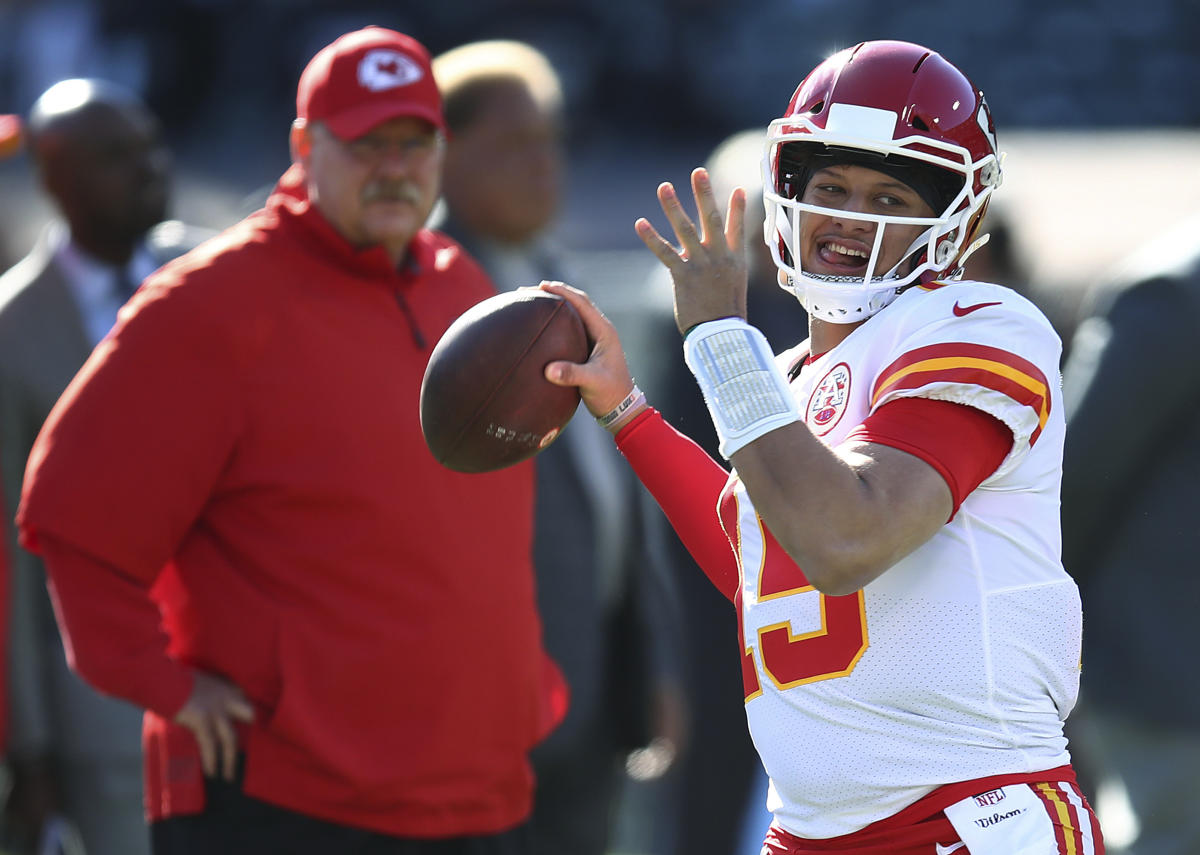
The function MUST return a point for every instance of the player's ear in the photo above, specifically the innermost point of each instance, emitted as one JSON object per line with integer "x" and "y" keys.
{"x": 300, "y": 140}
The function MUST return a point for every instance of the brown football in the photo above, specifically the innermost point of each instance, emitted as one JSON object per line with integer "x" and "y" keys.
{"x": 485, "y": 400}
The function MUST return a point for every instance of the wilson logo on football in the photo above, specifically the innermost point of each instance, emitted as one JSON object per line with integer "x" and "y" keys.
{"x": 387, "y": 69}
{"x": 828, "y": 401}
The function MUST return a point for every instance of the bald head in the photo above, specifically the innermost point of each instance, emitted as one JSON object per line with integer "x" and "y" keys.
{"x": 101, "y": 158}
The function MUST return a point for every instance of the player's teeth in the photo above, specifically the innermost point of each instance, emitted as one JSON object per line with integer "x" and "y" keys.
{"x": 842, "y": 250}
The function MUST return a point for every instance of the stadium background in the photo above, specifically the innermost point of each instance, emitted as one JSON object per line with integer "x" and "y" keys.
{"x": 1097, "y": 101}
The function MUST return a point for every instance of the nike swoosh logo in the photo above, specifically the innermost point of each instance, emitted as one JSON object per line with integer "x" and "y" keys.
{"x": 966, "y": 310}
{"x": 945, "y": 850}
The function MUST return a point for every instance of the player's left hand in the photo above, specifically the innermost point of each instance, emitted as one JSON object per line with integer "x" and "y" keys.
{"x": 709, "y": 268}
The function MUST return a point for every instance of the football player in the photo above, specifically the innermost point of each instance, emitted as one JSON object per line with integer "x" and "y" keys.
{"x": 889, "y": 531}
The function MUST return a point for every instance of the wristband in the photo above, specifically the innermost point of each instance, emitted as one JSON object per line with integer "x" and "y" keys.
{"x": 746, "y": 393}
{"x": 613, "y": 416}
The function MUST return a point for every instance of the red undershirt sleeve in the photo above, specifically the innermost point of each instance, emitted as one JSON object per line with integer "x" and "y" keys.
{"x": 964, "y": 444}
{"x": 687, "y": 485}
{"x": 111, "y": 630}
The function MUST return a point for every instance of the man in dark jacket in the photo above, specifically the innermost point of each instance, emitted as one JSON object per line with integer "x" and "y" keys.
{"x": 604, "y": 592}
{"x": 1130, "y": 534}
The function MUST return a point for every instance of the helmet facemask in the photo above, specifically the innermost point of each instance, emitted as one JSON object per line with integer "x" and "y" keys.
{"x": 942, "y": 173}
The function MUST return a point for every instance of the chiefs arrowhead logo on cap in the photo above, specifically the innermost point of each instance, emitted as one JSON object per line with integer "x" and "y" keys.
{"x": 367, "y": 77}
{"x": 383, "y": 69}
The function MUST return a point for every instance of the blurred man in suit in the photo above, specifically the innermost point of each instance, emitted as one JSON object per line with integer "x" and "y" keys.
{"x": 10, "y": 143}
{"x": 1130, "y": 465}
{"x": 75, "y": 755}
{"x": 603, "y": 592}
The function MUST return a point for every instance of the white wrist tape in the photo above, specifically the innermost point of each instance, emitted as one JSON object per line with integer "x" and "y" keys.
{"x": 746, "y": 393}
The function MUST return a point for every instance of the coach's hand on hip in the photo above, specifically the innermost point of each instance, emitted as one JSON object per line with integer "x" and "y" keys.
{"x": 209, "y": 714}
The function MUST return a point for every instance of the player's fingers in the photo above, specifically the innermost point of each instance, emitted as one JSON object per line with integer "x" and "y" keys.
{"x": 663, "y": 251}
{"x": 603, "y": 381}
{"x": 735, "y": 222}
{"x": 685, "y": 229}
{"x": 575, "y": 296}
{"x": 592, "y": 379}
{"x": 594, "y": 321}
{"x": 562, "y": 373}
{"x": 711, "y": 222}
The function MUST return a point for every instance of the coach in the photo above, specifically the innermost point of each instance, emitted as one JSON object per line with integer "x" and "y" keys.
{"x": 335, "y": 638}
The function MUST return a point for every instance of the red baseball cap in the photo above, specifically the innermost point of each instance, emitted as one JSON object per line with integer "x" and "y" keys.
{"x": 366, "y": 77}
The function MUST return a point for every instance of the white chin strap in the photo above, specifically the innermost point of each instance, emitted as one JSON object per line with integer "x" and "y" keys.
{"x": 840, "y": 299}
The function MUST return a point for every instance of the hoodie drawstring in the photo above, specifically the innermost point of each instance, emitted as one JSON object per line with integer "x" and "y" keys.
{"x": 417, "y": 337}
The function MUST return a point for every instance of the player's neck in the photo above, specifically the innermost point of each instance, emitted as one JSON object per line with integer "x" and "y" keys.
{"x": 824, "y": 336}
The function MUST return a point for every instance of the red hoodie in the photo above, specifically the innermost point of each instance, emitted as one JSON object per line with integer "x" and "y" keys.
{"x": 243, "y": 453}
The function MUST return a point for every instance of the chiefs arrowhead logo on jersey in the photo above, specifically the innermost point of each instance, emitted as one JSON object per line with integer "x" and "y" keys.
{"x": 386, "y": 69}
{"x": 828, "y": 400}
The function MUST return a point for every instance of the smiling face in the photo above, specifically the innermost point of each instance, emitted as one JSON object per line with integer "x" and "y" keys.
{"x": 834, "y": 245}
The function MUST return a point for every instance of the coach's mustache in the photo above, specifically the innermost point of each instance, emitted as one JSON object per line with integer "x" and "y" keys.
{"x": 391, "y": 191}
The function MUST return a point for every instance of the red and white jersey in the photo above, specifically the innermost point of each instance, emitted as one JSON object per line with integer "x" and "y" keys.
{"x": 962, "y": 660}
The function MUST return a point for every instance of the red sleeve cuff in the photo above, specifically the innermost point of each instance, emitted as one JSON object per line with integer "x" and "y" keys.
{"x": 111, "y": 631}
{"x": 627, "y": 430}
{"x": 964, "y": 444}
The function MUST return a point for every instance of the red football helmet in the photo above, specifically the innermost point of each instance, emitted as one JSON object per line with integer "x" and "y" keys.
{"x": 902, "y": 109}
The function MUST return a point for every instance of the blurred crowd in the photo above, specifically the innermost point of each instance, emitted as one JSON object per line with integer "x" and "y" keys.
{"x": 215, "y": 63}
{"x": 221, "y": 73}
{"x": 650, "y": 89}
{"x": 649, "y": 85}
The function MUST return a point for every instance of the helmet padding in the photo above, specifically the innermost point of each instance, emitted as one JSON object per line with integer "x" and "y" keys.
{"x": 799, "y": 161}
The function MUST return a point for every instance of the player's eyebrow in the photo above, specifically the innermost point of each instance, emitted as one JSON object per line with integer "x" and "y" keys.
{"x": 884, "y": 182}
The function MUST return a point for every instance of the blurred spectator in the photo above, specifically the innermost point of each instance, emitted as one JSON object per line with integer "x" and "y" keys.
{"x": 5, "y": 605}
{"x": 722, "y": 781}
{"x": 602, "y": 587}
{"x": 1130, "y": 469}
{"x": 10, "y": 144}
{"x": 100, "y": 159}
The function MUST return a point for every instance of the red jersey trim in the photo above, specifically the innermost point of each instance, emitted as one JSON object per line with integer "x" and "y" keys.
{"x": 964, "y": 444}
{"x": 1069, "y": 813}
{"x": 973, "y": 364}
{"x": 882, "y": 835}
